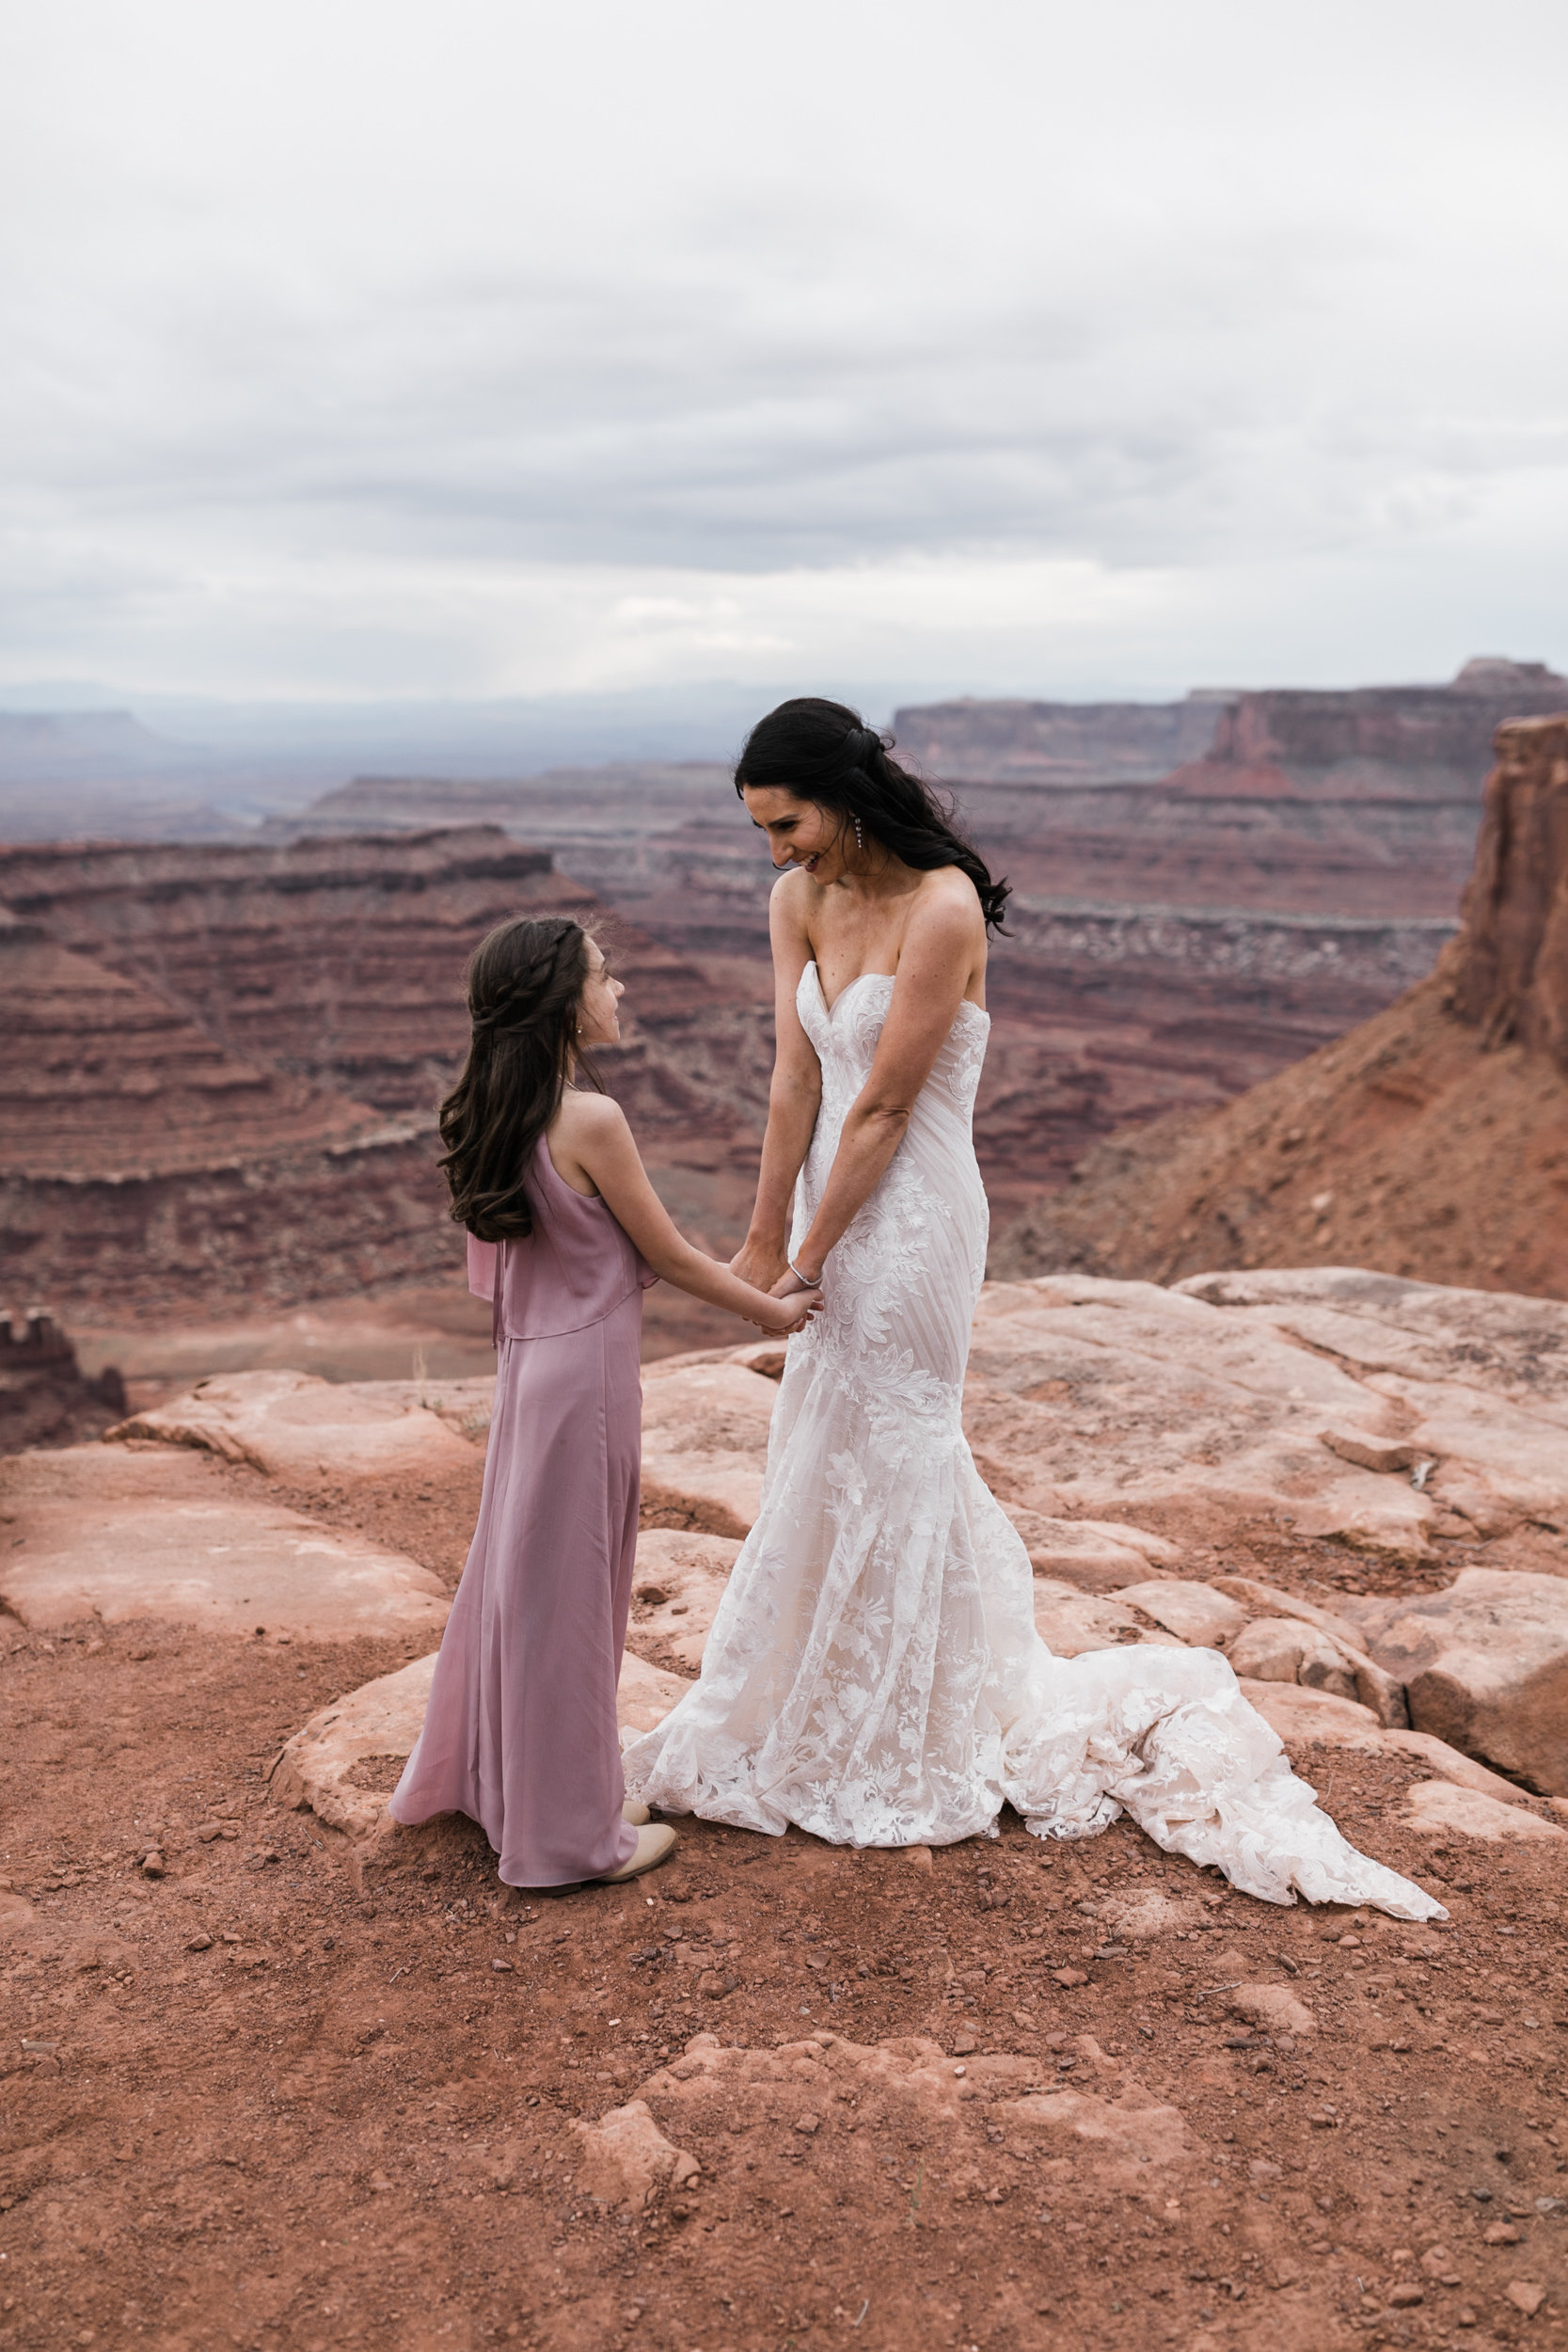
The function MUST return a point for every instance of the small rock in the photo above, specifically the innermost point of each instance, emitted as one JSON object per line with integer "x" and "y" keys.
{"x": 1402, "y": 2298}
{"x": 919, "y": 1855}
{"x": 199, "y": 1943}
{"x": 808, "y": 2123}
{"x": 209, "y": 1830}
{"x": 1438, "y": 2262}
{"x": 501, "y": 1967}
{"x": 963, "y": 2045}
{"x": 1501, "y": 2234}
{"x": 1069, "y": 1976}
{"x": 153, "y": 1866}
{"x": 1367, "y": 1451}
{"x": 1551, "y": 2204}
{"x": 379, "y": 2183}
{"x": 1524, "y": 2296}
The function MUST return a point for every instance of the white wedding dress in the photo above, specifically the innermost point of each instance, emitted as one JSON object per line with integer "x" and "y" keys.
{"x": 873, "y": 1672}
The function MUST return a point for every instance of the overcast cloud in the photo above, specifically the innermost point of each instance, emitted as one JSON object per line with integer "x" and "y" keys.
{"x": 498, "y": 347}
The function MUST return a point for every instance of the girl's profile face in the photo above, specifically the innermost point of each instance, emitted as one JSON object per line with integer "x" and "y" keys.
{"x": 598, "y": 1007}
{"x": 798, "y": 832}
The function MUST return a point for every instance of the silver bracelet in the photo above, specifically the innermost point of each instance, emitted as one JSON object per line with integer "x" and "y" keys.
{"x": 805, "y": 1279}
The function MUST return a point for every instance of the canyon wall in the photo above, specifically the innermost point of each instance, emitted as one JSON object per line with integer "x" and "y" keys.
{"x": 220, "y": 1084}
{"x": 1364, "y": 803}
{"x": 1430, "y": 1141}
{"x": 1205, "y": 890}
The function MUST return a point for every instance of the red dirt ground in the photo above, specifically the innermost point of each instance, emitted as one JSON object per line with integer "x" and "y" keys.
{"x": 339, "y": 2122}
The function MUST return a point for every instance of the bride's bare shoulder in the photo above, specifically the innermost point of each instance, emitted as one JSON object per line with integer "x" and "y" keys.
{"x": 947, "y": 904}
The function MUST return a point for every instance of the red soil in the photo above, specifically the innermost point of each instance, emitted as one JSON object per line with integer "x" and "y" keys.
{"x": 341, "y": 2122}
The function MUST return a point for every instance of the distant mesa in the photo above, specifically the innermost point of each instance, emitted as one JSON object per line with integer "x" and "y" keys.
{"x": 41, "y": 745}
{"x": 1432, "y": 1142}
{"x": 1428, "y": 737}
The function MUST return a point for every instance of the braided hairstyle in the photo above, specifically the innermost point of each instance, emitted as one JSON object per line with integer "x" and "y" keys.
{"x": 822, "y": 752}
{"x": 524, "y": 984}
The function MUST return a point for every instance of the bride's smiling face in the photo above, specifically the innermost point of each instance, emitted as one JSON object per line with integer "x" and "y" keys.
{"x": 798, "y": 832}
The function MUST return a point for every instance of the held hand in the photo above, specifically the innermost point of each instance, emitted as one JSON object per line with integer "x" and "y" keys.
{"x": 793, "y": 1311}
{"x": 789, "y": 1289}
{"x": 759, "y": 1264}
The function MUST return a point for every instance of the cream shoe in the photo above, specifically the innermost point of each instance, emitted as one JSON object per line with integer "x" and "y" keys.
{"x": 638, "y": 1815}
{"x": 654, "y": 1845}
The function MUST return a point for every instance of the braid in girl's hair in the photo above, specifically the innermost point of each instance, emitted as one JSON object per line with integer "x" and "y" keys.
{"x": 525, "y": 986}
{"x": 822, "y": 752}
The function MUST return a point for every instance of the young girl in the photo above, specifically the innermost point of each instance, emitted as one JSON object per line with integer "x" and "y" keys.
{"x": 565, "y": 1233}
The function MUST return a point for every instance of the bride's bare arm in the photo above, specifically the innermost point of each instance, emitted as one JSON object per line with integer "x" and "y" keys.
{"x": 793, "y": 1097}
{"x": 945, "y": 941}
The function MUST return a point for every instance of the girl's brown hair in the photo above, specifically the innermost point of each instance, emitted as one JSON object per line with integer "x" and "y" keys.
{"x": 525, "y": 986}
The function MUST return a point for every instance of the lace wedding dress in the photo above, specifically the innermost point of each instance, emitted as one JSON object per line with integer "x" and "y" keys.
{"x": 874, "y": 1673}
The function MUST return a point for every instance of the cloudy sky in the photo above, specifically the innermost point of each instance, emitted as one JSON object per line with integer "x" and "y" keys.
{"x": 383, "y": 347}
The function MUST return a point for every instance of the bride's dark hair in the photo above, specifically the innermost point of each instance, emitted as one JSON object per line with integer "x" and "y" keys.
{"x": 823, "y": 751}
{"x": 526, "y": 980}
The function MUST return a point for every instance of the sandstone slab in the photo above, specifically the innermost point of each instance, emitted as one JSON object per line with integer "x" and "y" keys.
{"x": 1215, "y": 1396}
{"x": 326, "y": 1765}
{"x": 1070, "y": 1621}
{"x": 323, "y": 1766}
{"x": 292, "y": 1426}
{"x": 1485, "y": 1667}
{"x": 679, "y": 1584}
{"x": 1097, "y": 1555}
{"x": 118, "y": 1532}
{"x": 1195, "y": 1613}
{"x": 1439, "y": 1807}
{"x": 1280, "y": 1649}
{"x": 1303, "y": 1717}
{"x": 1476, "y": 1380}
{"x": 1258, "y": 1600}
{"x": 1125, "y": 1396}
{"x": 705, "y": 1443}
{"x": 645, "y": 1693}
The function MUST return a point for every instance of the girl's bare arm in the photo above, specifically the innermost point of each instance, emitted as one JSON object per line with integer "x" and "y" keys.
{"x": 591, "y": 1136}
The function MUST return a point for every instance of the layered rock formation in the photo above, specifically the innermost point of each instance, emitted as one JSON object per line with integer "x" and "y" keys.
{"x": 1433, "y": 1139}
{"x": 1363, "y": 803}
{"x": 1206, "y": 889}
{"x": 222, "y": 1080}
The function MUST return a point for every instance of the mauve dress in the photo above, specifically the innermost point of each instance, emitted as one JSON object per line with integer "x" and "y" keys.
{"x": 520, "y": 1730}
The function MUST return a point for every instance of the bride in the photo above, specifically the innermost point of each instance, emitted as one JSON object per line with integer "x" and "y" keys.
{"x": 874, "y": 1674}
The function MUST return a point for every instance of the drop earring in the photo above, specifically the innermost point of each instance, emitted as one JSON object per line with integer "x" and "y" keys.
{"x": 860, "y": 841}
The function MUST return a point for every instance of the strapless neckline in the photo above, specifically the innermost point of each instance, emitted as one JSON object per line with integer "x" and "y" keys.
{"x": 830, "y": 1012}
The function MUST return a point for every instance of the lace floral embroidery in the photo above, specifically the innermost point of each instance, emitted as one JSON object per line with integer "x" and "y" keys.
{"x": 873, "y": 1672}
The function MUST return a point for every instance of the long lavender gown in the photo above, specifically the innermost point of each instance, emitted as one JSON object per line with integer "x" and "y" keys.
{"x": 520, "y": 1730}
